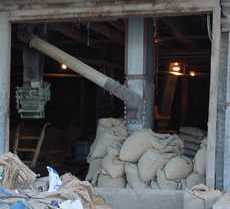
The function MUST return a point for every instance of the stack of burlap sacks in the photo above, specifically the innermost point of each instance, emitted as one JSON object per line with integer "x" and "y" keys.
{"x": 20, "y": 185}
{"x": 143, "y": 160}
{"x": 192, "y": 138}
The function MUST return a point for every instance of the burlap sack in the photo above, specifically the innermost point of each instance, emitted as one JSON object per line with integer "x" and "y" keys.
{"x": 178, "y": 168}
{"x": 150, "y": 162}
{"x": 113, "y": 125}
{"x": 136, "y": 144}
{"x": 106, "y": 181}
{"x": 165, "y": 183}
{"x": 191, "y": 138}
{"x": 133, "y": 178}
{"x": 112, "y": 165}
{"x": 200, "y": 161}
{"x": 100, "y": 148}
{"x": 109, "y": 130}
{"x": 192, "y": 131}
{"x": 94, "y": 167}
{"x": 194, "y": 179}
{"x": 167, "y": 143}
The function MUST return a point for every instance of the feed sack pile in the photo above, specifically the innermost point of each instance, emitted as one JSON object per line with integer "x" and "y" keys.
{"x": 143, "y": 160}
{"x": 191, "y": 137}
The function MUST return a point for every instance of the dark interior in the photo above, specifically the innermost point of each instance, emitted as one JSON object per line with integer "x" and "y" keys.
{"x": 76, "y": 103}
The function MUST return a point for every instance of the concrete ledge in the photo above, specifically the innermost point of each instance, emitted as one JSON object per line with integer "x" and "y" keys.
{"x": 223, "y": 203}
{"x": 142, "y": 199}
{"x": 161, "y": 199}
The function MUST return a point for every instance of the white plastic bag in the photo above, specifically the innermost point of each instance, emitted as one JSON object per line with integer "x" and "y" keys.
{"x": 54, "y": 180}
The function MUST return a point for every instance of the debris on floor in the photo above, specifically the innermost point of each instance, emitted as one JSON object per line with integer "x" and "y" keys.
{"x": 13, "y": 173}
{"x": 144, "y": 159}
{"x": 21, "y": 189}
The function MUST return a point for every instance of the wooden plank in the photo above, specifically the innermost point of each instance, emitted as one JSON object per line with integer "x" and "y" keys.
{"x": 26, "y": 150}
{"x": 212, "y": 121}
{"x": 24, "y": 11}
{"x": 29, "y": 137}
{"x": 108, "y": 32}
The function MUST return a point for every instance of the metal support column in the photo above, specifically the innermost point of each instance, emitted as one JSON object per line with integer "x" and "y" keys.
{"x": 139, "y": 68}
{"x": 5, "y": 40}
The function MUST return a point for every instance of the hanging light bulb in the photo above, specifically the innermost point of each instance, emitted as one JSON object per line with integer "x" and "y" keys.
{"x": 64, "y": 67}
{"x": 192, "y": 73}
{"x": 176, "y": 68}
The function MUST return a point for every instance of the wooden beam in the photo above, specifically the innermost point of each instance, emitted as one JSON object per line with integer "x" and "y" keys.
{"x": 119, "y": 25}
{"x": 68, "y": 31}
{"x": 178, "y": 34}
{"x": 213, "y": 95}
{"x": 24, "y": 10}
{"x": 108, "y": 32}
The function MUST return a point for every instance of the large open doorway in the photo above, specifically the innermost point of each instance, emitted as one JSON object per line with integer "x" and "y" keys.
{"x": 76, "y": 104}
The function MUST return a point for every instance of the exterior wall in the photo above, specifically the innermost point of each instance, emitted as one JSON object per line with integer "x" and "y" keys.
{"x": 5, "y": 40}
{"x": 26, "y": 10}
{"x": 48, "y": 10}
{"x": 221, "y": 108}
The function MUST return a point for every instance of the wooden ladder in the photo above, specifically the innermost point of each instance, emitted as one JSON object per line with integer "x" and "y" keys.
{"x": 29, "y": 144}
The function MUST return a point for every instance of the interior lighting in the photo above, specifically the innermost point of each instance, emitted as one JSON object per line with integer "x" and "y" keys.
{"x": 192, "y": 73}
{"x": 176, "y": 68}
{"x": 64, "y": 67}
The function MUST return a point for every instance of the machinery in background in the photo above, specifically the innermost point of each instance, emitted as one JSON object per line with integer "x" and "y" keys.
{"x": 132, "y": 100}
{"x": 31, "y": 100}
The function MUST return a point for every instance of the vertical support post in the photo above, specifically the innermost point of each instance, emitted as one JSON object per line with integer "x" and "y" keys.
{"x": 32, "y": 66}
{"x": 226, "y": 160}
{"x": 221, "y": 110}
{"x": 139, "y": 68}
{"x": 168, "y": 95}
{"x": 5, "y": 40}
{"x": 184, "y": 100}
{"x": 83, "y": 106}
{"x": 212, "y": 121}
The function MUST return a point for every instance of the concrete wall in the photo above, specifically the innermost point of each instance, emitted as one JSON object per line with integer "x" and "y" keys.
{"x": 5, "y": 40}
{"x": 142, "y": 199}
{"x": 23, "y": 10}
{"x": 159, "y": 199}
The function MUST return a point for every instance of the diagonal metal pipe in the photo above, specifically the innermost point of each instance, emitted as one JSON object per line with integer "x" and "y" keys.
{"x": 131, "y": 98}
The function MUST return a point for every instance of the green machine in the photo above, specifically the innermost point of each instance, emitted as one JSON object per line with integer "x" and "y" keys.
{"x": 33, "y": 95}
{"x": 31, "y": 100}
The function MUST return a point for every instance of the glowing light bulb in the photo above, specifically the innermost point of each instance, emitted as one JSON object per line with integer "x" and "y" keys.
{"x": 192, "y": 73}
{"x": 63, "y": 66}
{"x": 176, "y": 68}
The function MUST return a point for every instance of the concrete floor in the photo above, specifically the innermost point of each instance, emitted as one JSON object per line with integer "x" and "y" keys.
{"x": 157, "y": 199}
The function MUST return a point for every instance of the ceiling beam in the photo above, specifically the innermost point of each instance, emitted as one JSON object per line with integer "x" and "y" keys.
{"x": 108, "y": 32}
